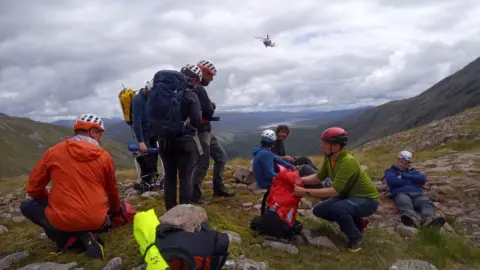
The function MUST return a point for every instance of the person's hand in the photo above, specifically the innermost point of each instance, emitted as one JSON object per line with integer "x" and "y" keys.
{"x": 143, "y": 147}
{"x": 296, "y": 168}
{"x": 289, "y": 159}
{"x": 298, "y": 191}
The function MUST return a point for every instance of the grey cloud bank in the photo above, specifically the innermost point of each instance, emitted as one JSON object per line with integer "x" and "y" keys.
{"x": 64, "y": 58}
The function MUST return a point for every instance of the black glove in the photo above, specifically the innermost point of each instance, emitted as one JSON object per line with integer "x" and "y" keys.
{"x": 214, "y": 106}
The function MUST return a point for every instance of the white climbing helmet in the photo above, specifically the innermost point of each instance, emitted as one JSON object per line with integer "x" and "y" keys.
{"x": 192, "y": 73}
{"x": 149, "y": 85}
{"x": 88, "y": 121}
{"x": 268, "y": 136}
{"x": 207, "y": 65}
{"x": 405, "y": 155}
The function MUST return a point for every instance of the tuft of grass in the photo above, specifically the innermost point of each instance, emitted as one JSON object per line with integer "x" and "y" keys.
{"x": 444, "y": 250}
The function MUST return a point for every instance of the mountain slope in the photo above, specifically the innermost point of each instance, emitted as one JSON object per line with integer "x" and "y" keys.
{"x": 23, "y": 141}
{"x": 448, "y": 97}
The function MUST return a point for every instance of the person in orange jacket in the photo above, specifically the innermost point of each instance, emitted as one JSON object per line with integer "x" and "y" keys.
{"x": 80, "y": 172}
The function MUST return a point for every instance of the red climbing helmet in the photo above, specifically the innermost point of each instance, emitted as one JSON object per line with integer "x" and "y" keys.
{"x": 335, "y": 135}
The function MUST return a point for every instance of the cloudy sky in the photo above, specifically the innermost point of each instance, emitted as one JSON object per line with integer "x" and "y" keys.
{"x": 64, "y": 58}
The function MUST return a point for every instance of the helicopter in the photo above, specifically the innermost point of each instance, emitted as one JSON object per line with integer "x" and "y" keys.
{"x": 267, "y": 41}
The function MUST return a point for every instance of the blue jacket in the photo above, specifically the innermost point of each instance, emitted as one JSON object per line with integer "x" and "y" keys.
{"x": 140, "y": 120}
{"x": 263, "y": 166}
{"x": 408, "y": 180}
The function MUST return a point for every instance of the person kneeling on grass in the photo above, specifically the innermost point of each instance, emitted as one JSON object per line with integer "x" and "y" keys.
{"x": 81, "y": 173}
{"x": 352, "y": 195}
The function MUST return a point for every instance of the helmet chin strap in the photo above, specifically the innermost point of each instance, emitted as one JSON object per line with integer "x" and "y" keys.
{"x": 204, "y": 83}
{"x": 331, "y": 151}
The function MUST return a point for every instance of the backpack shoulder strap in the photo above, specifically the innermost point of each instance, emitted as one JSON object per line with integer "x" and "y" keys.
{"x": 264, "y": 200}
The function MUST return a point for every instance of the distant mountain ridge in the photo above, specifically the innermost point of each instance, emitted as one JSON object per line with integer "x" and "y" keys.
{"x": 23, "y": 141}
{"x": 232, "y": 124}
{"x": 452, "y": 95}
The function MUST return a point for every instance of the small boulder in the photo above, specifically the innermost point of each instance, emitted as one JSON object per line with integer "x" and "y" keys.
{"x": 406, "y": 231}
{"x": 187, "y": 216}
{"x": 234, "y": 237}
{"x": 113, "y": 264}
{"x": 412, "y": 265}
{"x": 282, "y": 246}
{"x": 244, "y": 175}
{"x": 13, "y": 258}
{"x": 50, "y": 265}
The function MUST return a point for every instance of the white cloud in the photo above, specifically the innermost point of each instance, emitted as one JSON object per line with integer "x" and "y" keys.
{"x": 61, "y": 58}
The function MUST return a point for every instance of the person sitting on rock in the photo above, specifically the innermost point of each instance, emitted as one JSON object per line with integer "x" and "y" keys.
{"x": 81, "y": 172}
{"x": 278, "y": 148}
{"x": 352, "y": 196}
{"x": 264, "y": 160}
{"x": 405, "y": 187}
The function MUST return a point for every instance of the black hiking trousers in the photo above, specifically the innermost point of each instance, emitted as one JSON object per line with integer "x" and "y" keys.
{"x": 178, "y": 157}
{"x": 148, "y": 162}
{"x": 34, "y": 210}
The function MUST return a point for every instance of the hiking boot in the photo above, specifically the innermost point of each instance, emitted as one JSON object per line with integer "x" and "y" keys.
{"x": 355, "y": 246}
{"x": 436, "y": 222}
{"x": 93, "y": 245}
{"x": 200, "y": 201}
{"x": 409, "y": 221}
{"x": 224, "y": 193}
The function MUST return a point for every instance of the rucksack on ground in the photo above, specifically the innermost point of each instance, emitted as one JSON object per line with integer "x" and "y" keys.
{"x": 164, "y": 104}
{"x": 279, "y": 207}
{"x": 206, "y": 249}
{"x": 126, "y": 97}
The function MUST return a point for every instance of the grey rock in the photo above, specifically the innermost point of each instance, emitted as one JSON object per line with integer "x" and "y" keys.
{"x": 406, "y": 231}
{"x": 242, "y": 263}
{"x": 3, "y": 229}
{"x": 187, "y": 216}
{"x": 234, "y": 237}
{"x": 13, "y": 258}
{"x": 113, "y": 264}
{"x": 150, "y": 194}
{"x": 321, "y": 241}
{"x": 282, "y": 246}
{"x": 50, "y": 266}
{"x": 412, "y": 265}
{"x": 247, "y": 204}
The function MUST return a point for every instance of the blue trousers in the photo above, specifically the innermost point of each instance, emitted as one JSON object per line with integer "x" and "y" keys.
{"x": 347, "y": 213}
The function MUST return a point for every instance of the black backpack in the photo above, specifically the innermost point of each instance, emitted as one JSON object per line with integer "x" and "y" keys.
{"x": 164, "y": 104}
{"x": 206, "y": 249}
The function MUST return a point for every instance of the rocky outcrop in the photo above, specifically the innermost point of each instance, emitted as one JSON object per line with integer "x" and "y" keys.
{"x": 432, "y": 135}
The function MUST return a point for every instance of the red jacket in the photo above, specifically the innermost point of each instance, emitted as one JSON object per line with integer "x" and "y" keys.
{"x": 280, "y": 197}
{"x": 80, "y": 174}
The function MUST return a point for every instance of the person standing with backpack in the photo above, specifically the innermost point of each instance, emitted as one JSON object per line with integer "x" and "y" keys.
{"x": 175, "y": 114}
{"x": 211, "y": 146}
{"x": 147, "y": 162}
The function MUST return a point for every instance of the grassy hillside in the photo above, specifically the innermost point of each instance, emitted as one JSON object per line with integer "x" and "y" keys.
{"x": 23, "y": 141}
{"x": 448, "y": 97}
{"x": 381, "y": 248}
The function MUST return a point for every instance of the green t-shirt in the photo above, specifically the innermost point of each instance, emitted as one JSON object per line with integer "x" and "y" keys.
{"x": 345, "y": 169}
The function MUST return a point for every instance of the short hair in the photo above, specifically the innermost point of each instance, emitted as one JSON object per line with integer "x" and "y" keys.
{"x": 282, "y": 128}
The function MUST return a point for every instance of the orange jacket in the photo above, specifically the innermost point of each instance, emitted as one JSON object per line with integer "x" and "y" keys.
{"x": 81, "y": 173}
